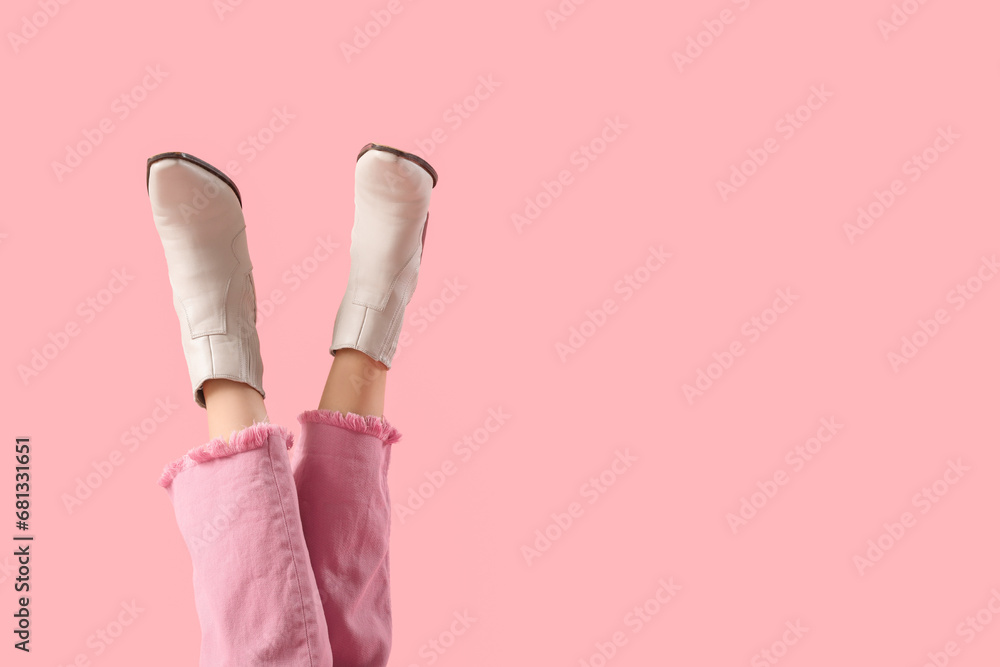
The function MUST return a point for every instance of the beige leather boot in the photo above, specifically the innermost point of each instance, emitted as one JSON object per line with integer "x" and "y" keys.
{"x": 392, "y": 191}
{"x": 199, "y": 216}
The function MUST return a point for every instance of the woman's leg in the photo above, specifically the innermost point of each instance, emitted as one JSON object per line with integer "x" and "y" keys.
{"x": 341, "y": 462}
{"x": 237, "y": 509}
{"x": 356, "y": 383}
{"x": 340, "y": 467}
{"x": 231, "y": 406}
{"x": 233, "y": 497}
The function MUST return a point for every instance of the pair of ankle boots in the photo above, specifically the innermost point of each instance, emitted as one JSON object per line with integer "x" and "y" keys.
{"x": 199, "y": 216}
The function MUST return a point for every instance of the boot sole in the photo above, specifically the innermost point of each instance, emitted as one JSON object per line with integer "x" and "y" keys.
{"x": 417, "y": 160}
{"x": 193, "y": 160}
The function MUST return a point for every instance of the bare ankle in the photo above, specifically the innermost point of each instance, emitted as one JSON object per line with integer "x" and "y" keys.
{"x": 231, "y": 406}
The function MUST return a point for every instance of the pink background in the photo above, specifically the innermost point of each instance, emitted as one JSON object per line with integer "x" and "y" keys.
{"x": 495, "y": 345}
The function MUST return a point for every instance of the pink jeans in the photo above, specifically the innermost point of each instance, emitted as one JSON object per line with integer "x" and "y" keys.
{"x": 290, "y": 554}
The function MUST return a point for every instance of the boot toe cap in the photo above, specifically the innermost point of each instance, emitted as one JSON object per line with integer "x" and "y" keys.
{"x": 175, "y": 183}
{"x": 393, "y": 178}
